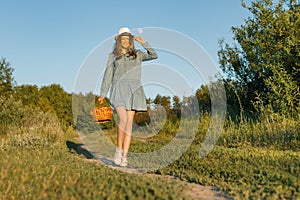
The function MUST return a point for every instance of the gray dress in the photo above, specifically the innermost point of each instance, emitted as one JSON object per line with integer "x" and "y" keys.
{"x": 123, "y": 77}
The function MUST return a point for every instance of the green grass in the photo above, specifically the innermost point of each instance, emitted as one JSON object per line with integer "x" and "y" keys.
{"x": 252, "y": 160}
{"x": 38, "y": 171}
{"x": 272, "y": 131}
{"x": 35, "y": 168}
{"x": 246, "y": 171}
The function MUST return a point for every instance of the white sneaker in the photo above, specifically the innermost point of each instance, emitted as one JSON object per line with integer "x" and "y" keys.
{"x": 124, "y": 162}
{"x": 118, "y": 157}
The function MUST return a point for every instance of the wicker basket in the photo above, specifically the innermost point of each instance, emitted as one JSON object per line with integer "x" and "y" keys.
{"x": 102, "y": 114}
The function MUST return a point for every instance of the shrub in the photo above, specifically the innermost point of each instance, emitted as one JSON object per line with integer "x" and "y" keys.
{"x": 11, "y": 112}
{"x": 25, "y": 125}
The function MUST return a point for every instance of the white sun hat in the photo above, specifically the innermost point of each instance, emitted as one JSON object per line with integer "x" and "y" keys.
{"x": 124, "y": 30}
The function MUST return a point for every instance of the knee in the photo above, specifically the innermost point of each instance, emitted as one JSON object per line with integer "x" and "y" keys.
{"x": 128, "y": 127}
{"x": 122, "y": 125}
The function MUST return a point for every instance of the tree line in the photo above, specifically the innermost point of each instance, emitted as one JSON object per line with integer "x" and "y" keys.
{"x": 50, "y": 98}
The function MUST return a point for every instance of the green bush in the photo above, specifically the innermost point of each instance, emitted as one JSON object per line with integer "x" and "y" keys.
{"x": 36, "y": 124}
{"x": 23, "y": 125}
{"x": 11, "y": 112}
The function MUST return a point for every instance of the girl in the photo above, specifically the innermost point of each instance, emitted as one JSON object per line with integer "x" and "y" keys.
{"x": 123, "y": 77}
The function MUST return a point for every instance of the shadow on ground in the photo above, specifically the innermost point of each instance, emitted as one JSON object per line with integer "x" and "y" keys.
{"x": 77, "y": 148}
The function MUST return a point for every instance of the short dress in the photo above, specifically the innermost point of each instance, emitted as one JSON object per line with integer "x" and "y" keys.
{"x": 123, "y": 77}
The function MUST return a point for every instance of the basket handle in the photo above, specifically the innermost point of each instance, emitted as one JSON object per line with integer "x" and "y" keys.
{"x": 101, "y": 100}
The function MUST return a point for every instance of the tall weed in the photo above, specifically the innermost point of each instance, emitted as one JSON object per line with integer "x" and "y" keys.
{"x": 11, "y": 112}
{"x": 27, "y": 126}
{"x": 274, "y": 131}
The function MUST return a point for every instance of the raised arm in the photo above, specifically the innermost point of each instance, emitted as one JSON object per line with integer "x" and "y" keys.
{"x": 150, "y": 53}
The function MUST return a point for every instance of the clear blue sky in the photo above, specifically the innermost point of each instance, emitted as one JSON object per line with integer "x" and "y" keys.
{"x": 47, "y": 41}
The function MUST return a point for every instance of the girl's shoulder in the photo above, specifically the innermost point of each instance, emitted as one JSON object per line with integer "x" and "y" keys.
{"x": 112, "y": 57}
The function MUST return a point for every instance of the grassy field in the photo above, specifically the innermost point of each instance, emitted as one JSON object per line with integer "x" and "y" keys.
{"x": 36, "y": 169}
{"x": 40, "y": 161}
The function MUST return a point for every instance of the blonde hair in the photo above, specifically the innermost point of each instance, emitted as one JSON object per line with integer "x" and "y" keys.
{"x": 131, "y": 51}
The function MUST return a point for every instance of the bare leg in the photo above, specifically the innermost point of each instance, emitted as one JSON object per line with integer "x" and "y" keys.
{"x": 124, "y": 134}
{"x": 128, "y": 131}
{"x": 122, "y": 113}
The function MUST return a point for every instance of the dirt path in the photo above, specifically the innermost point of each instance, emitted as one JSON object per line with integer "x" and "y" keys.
{"x": 190, "y": 190}
{"x": 193, "y": 190}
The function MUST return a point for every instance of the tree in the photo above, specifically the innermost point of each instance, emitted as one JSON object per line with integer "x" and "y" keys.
{"x": 266, "y": 58}
{"x": 166, "y": 102}
{"x": 6, "y": 77}
{"x": 157, "y": 100}
{"x": 203, "y": 98}
{"x": 177, "y": 106}
{"x": 28, "y": 94}
{"x": 53, "y": 98}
